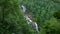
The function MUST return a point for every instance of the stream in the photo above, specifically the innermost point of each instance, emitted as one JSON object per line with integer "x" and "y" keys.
{"x": 29, "y": 21}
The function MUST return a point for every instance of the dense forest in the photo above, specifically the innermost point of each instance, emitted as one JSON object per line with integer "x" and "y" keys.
{"x": 45, "y": 15}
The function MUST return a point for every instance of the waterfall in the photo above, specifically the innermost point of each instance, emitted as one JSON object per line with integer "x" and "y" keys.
{"x": 29, "y": 21}
{"x": 23, "y": 8}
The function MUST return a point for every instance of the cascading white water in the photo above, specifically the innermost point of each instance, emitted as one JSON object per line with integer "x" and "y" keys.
{"x": 23, "y": 8}
{"x": 29, "y": 21}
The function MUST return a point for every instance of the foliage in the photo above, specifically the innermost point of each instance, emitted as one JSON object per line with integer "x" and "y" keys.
{"x": 57, "y": 14}
{"x": 42, "y": 10}
{"x": 45, "y": 12}
{"x": 51, "y": 27}
{"x": 12, "y": 20}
